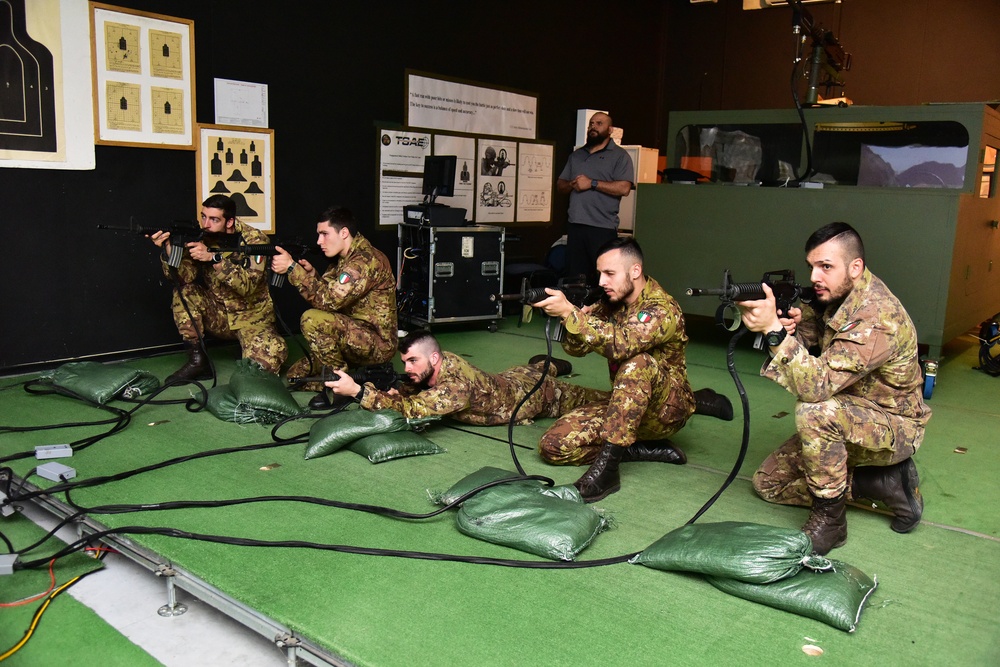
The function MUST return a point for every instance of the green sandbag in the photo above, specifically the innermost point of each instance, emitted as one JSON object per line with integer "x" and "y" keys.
{"x": 748, "y": 552}
{"x": 538, "y": 521}
{"x": 482, "y": 476}
{"x": 835, "y": 597}
{"x": 144, "y": 383}
{"x": 99, "y": 382}
{"x": 257, "y": 390}
{"x": 388, "y": 446}
{"x": 221, "y": 402}
{"x": 340, "y": 429}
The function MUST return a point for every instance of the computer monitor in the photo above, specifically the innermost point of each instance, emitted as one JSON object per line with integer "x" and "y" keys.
{"x": 439, "y": 176}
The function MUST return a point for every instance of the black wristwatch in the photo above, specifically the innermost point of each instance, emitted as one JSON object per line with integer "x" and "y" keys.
{"x": 774, "y": 338}
{"x": 593, "y": 184}
{"x": 216, "y": 258}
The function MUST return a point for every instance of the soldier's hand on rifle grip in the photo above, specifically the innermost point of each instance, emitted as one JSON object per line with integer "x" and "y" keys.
{"x": 309, "y": 268}
{"x": 282, "y": 260}
{"x": 344, "y": 385}
{"x": 161, "y": 240}
{"x": 762, "y": 315}
{"x": 790, "y": 322}
{"x": 199, "y": 252}
{"x": 556, "y": 305}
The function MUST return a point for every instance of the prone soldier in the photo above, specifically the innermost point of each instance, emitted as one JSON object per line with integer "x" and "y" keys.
{"x": 445, "y": 384}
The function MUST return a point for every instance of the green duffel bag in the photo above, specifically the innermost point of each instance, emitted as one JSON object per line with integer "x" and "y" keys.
{"x": 381, "y": 447}
{"x": 749, "y": 552}
{"x": 540, "y": 521}
{"x": 835, "y": 596}
{"x": 99, "y": 383}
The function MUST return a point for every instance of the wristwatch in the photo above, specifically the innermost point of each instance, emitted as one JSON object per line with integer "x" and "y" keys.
{"x": 216, "y": 258}
{"x": 593, "y": 184}
{"x": 774, "y": 338}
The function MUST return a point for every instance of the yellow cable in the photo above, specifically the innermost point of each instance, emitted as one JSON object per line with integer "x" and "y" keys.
{"x": 34, "y": 621}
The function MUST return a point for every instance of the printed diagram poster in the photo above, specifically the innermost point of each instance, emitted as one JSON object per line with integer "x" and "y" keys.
{"x": 496, "y": 180}
{"x": 464, "y": 148}
{"x": 401, "y": 171}
{"x": 534, "y": 182}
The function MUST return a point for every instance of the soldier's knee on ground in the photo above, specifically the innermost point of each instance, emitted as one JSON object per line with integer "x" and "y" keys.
{"x": 765, "y": 481}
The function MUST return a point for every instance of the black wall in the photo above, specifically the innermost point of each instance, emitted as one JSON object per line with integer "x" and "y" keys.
{"x": 335, "y": 69}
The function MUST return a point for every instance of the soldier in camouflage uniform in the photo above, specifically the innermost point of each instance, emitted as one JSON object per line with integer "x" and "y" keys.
{"x": 860, "y": 413}
{"x": 445, "y": 384}
{"x": 223, "y": 294}
{"x": 639, "y": 328}
{"x": 352, "y": 321}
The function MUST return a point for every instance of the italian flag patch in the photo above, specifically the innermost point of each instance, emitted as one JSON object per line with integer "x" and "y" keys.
{"x": 344, "y": 278}
{"x": 643, "y": 316}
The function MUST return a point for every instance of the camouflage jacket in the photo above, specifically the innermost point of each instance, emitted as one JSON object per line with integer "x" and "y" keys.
{"x": 868, "y": 348}
{"x": 654, "y": 324}
{"x": 462, "y": 392}
{"x": 359, "y": 286}
{"x": 240, "y": 283}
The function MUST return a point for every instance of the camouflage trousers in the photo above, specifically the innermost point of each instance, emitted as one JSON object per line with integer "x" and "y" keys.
{"x": 554, "y": 398}
{"x": 833, "y": 438}
{"x": 644, "y": 405}
{"x": 258, "y": 340}
{"x": 338, "y": 341}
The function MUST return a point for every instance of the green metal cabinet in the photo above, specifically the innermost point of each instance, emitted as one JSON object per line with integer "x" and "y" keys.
{"x": 938, "y": 248}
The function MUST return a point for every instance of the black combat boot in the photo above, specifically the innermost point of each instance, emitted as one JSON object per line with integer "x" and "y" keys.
{"x": 562, "y": 366}
{"x": 195, "y": 368}
{"x": 601, "y": 480}
{"x": 897, "y": 486}
{"x": 708, "y": 402}
{"x": 322, "y": 401}
{"x": 827, "y": 523}
{"x": 660, "y": 451}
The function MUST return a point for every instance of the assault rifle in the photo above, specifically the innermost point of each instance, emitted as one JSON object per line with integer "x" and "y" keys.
{"x": 181, "y": 232}
{"x": 578, "y": 293}
{"x": 782, "y": 284}
{"x": 297, "y": 249}
{"x": 383, "y": 376}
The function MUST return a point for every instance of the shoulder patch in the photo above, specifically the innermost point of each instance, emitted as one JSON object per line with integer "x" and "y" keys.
{"x": 849, "y": 326}
{"x": 344, "y": 278}
{"x": 643, "y": 316}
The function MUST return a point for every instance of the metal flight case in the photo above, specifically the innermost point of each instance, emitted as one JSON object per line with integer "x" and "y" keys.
{"x": 449, "y": 274}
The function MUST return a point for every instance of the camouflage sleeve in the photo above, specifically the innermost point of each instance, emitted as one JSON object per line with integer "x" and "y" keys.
{"x": 244, "y": 280}
{"x": 809, "y": 328}
{"x": 850, "y": 356}
{"x": 339, "y": 287}
{"x": 442, "y": 399}
{"x": 590, "y": 333}
{"x": 187, "y": 272}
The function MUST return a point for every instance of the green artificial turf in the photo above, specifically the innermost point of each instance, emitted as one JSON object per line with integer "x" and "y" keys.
{"x": 67, "y": 631}
{"x": 937, "y": 585}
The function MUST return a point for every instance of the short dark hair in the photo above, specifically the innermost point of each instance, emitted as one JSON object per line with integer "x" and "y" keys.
{"x": 845, "y": 235}
{"x": 223, "y": 203}
{"x": 418, "y": 337}
{"x": 628, "y": 246}
{"x": 339, "y": 217}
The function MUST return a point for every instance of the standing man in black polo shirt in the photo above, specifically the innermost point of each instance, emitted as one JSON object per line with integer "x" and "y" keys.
{"x": 596, "y": 177}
